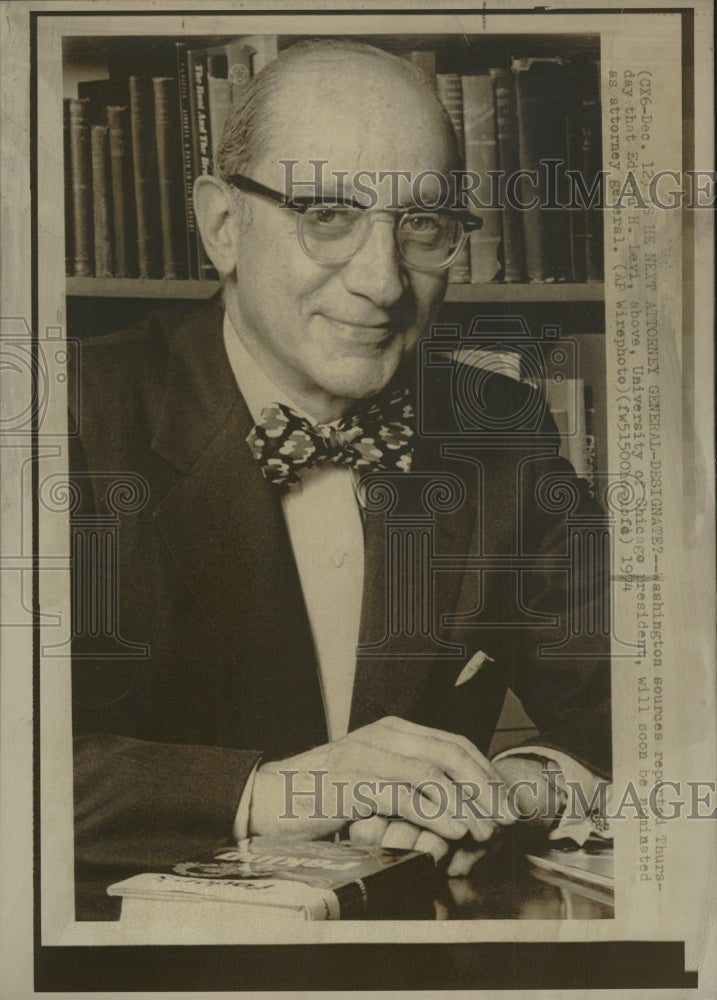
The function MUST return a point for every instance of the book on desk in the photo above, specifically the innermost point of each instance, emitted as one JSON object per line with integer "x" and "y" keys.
{"x": 266, "y": 878}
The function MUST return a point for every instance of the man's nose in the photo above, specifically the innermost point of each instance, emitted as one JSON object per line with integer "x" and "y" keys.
{"x": 375, "y": 270}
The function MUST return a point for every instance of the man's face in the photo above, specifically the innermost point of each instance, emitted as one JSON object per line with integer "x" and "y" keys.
{"x": 330, "y": 334}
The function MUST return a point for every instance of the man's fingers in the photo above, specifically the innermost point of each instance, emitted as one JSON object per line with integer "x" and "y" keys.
{"x": 401, "y": 834}
{"x": 405, "y": 835}
{"x": 400, "y": 801}
{"x": 432, "y": 844}
{"x": 368, "y": 832}
{"x": 462, "y": 861}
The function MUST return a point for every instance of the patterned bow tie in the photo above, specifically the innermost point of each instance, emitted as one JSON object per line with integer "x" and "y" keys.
{"x": 378, "y": 436}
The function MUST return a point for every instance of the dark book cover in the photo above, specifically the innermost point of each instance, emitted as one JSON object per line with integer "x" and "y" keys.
{"x": 185, "y": 121}
{"x": 589, "y": 133}
{"x": 450, "y": 92}
{"x": 102, "y": 93}
{"x": 239, "y": 68}
{"x": 543, "y": 98}
{"x": 201, "y": 139}
{"x": 81, "y": 169}
{"x": 508, "y": 159}
{"x": 146, "y": 188}
{"x": 479, "y": 126}
{"x": 585, "y": 160}
{"x": 124, "y": 213}
{"x": 219, "y": 95}
{"x": 322, "y": 880}
{"x": 576, "y": 215}
{"x": 169, "y": 170}
{"x": 102, "y": 201}
{"x": 67, "y": 176}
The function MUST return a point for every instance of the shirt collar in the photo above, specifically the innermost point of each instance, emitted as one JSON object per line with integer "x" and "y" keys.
{"x": 258, "y": 390}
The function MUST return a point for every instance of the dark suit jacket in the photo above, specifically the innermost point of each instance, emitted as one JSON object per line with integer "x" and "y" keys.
{"x": 199, "y": 659}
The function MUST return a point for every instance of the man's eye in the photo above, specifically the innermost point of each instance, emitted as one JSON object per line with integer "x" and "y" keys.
{"x": 330, "y": 222}
{"x": 423, "y": 223}
{"x": 330, "y": 215}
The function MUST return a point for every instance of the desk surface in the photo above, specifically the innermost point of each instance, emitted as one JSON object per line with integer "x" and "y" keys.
{"x": 504, "y": 885}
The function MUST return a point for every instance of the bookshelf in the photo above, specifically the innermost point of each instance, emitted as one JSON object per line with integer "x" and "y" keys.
{"x": 147, "y": 288}
{"x": 94, "y": 62}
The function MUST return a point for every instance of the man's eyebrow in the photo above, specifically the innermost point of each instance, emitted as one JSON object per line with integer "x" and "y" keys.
{"x": 321, "y": 197}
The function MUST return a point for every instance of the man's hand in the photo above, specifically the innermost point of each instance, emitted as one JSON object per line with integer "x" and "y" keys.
{"x": 437, "y": 781}
{"x": 530, "y": 800}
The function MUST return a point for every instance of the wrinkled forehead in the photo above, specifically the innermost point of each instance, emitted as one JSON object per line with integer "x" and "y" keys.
{"x": 361, "y": 119}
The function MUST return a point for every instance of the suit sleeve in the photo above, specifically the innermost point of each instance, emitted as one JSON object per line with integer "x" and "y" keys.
{"x": 140, "y": 803}
{"x": 561, "y": 669}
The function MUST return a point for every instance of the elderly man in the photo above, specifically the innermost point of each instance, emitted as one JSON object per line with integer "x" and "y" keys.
{"x": 265, "y": 425}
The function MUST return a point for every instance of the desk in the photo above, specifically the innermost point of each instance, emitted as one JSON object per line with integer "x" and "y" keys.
{"x": 504, "y": 885}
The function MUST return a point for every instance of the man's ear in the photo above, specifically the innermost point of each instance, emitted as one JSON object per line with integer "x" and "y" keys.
{"x": 213, "y": 212}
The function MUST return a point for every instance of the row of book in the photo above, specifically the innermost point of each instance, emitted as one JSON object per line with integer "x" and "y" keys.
{"x": 134, "y": 146}
{"x": 521, "y": 131}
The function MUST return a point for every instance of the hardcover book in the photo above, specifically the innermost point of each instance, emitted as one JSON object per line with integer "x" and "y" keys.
{"x": 81, "y": 168}
{"x": 279, "y": 878}
{"x": 543, "y": 98}
{"x": 146, "y": 182}
{"x": 479, "y": 127}
{"x": 123, "y": 197}
{"x": 508, "y": 162}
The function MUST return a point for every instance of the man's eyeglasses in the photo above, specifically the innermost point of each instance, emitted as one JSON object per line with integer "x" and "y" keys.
{"x": 333, "y": 231}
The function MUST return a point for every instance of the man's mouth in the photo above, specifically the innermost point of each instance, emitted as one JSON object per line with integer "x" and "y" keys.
{"x": 369, "y": 333}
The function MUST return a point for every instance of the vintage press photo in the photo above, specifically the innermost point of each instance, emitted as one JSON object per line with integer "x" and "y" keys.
{"x": 358, "y": 541}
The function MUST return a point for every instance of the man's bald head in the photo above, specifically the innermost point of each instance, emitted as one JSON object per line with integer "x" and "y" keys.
{"x": 320, "y": 73}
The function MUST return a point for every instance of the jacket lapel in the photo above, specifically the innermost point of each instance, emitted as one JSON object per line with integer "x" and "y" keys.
{"x": 224, "y": 526}
{"x": 393, "y": 665}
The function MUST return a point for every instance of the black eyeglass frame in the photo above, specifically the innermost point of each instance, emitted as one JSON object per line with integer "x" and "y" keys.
{"x": 302, "y": 203}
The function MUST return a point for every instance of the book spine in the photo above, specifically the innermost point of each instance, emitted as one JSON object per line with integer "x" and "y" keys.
{"x": 576, "y": 216}
{"x": 204, "y": 142}
{"x": 592, "y": 165}
{"x": 450, "y": 92}
{"x": 479, "y": 126}
{"x": 239, "y": 58}
{"x": 101, "y": 196}
{"x": 401, "y": 891}
{"x": 144, "y": 154}
{"x": 448, "y": 88}
{"x": 67, "y": 177}
{"x": 123, "y": 198}
{"x": 219, "y": 92}
{"x": 507, "y": 156}
{"x": 81, "y": 164}
{"x": 185, "y": 115}
{"x": 541, "y": 88}
{"x": 591, "y": 451}
{"x": 201, "y": 141}
{"x": 264, "y": 49}
{"x": 169, "y": 169}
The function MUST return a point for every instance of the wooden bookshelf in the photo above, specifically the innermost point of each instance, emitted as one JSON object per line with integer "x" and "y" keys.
{"x": 506, "y": 292}
{"x": 140, "y": 288}
{"x": 145, "y": 288}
